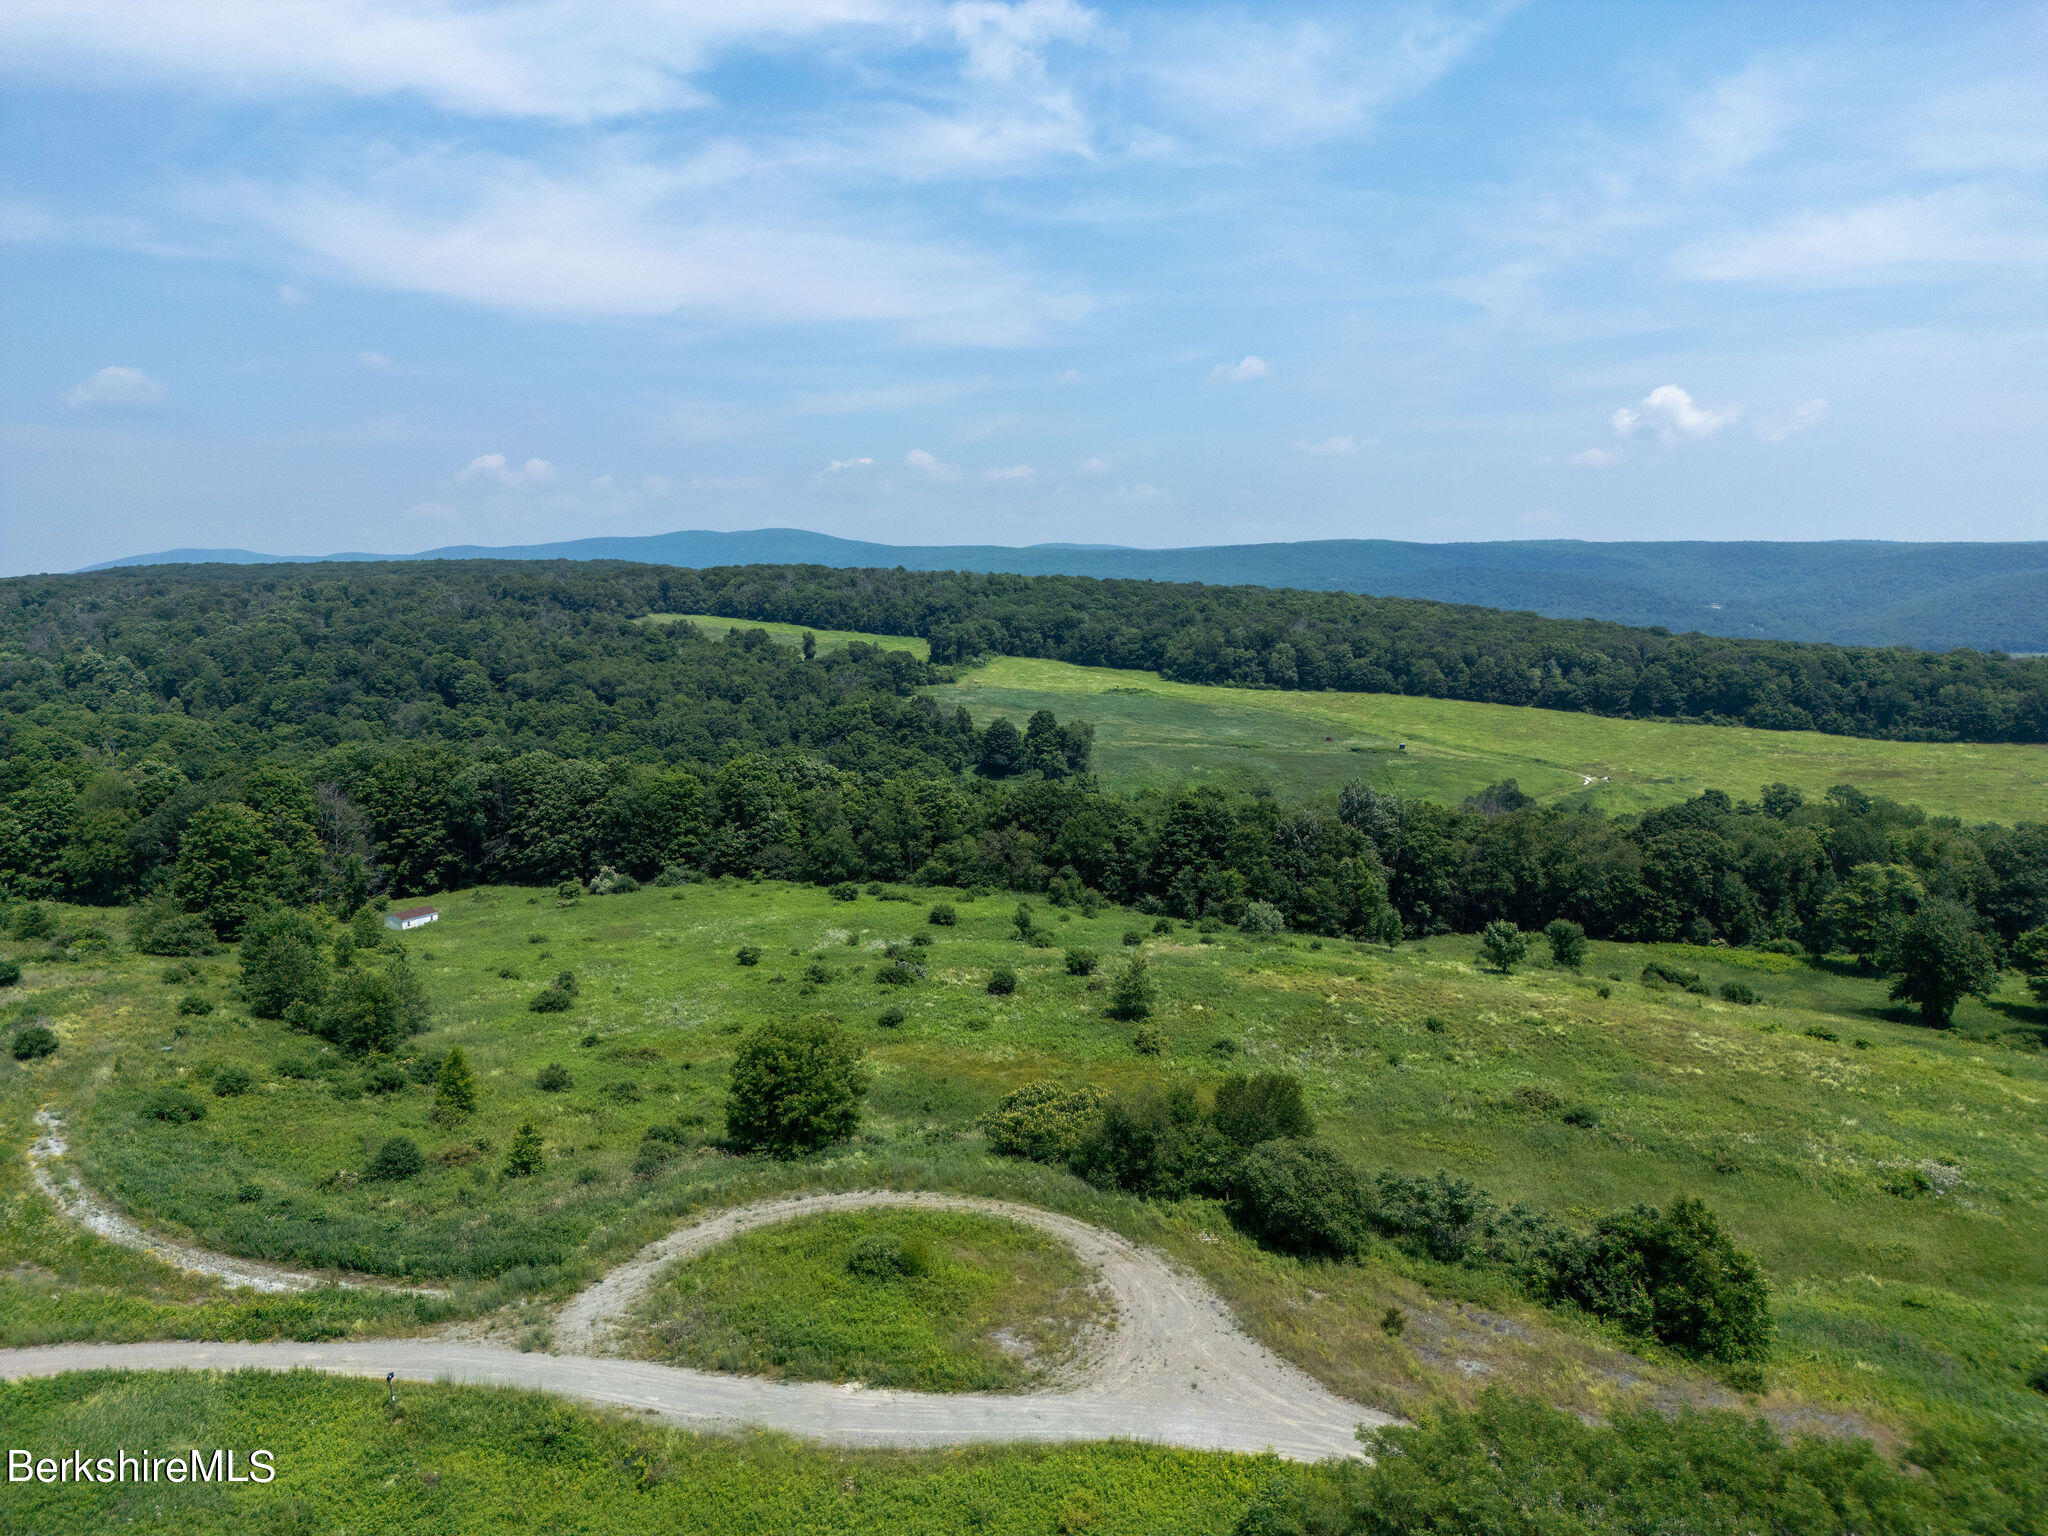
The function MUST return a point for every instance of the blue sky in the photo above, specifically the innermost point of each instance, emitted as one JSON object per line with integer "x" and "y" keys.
{"x": 308, "y": 275}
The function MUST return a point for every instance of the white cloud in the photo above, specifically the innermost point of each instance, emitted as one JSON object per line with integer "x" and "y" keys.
{"x": 545, "y": 59}
{"x": 492, "y": 467}
{"x": 1013, "y": 472}
{"x": 287, "y": 294}
{"x": 619, "y": 236}
{"x": 1242, "y": 371}
{"x": 1247, "y": 81}
{"x": 1892, "y": 239}
{"x": 376, "y": 362}
{"x": 1598, "y": 458}
{"x": 1327, "y": 447}
{"x": 886, "y": 397}
{"x": 1671, "y": 414}
{"x": 1802, "y": 417}
{"x": 116, "y": 388}
{"x": 919, "y": 459}
{"x": 1095, "y": 465}
{"x": 839, "y": 465}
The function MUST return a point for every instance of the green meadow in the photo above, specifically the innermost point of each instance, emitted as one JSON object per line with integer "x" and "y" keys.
{"x": 466, "y": 1461}
{"x": 1889, "y": 1178}
{"x": 792, "y": 634}
{"x": 946, "y": 1301}
{"x": 1155, "y": 734}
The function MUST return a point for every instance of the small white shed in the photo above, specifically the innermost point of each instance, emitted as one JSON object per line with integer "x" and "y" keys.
{"x": 412, "y": 917}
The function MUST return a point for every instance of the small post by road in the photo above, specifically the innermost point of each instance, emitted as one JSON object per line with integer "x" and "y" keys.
{"x": 389, "y": 1376}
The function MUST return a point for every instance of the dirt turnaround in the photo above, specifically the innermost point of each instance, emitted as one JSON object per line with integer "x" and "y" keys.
{"x": 1175, "y": 1368}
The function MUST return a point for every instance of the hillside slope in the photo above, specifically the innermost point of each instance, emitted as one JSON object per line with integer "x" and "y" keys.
{"x": 1850, "y": 592}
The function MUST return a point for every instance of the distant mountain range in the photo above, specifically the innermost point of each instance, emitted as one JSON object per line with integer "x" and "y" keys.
{"x": 1852, "y": 592}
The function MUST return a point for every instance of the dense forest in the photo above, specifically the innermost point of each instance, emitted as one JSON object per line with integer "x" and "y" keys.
{"x": 221, "y": 740}
{"x": 168, "y": 621}
{"x": 1257, "y": 637}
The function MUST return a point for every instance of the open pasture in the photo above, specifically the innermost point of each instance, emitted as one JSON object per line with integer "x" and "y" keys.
{"x": 1890, "y": 1179}
{"x": 1154, "y": 734}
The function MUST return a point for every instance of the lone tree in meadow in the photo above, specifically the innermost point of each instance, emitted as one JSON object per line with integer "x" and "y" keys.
{"x": 1504, "y": 945}
{"x": 454, "y": 1087}
{"x": 796, "y": 1087}
{"x": 1937, "y": 960}
{"x": 1567, "y": 943}
{"x": 1130, "y": 995}
{"x": 523, "y": 1158}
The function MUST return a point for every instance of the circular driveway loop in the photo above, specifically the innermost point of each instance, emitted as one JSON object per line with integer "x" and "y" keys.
{"x": 1176, "y": 1369}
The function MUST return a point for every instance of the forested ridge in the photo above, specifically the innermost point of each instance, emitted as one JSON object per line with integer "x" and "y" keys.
{"x": 1258, "y": 637}
{"x": 223, "y": 739}
{"x": 167, "y": 621}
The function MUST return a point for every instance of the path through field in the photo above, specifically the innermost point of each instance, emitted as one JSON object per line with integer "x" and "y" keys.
{"x": 1175, "y": 1369}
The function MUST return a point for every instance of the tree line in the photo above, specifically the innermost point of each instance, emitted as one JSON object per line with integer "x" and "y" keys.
{"x": 513, "y": 638}
{"x": 1259, "y": 637}
{"x": 220, "y": 741}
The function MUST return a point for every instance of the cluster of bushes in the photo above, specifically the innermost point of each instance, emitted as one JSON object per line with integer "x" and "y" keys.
{"x": 1515, "y": 1467}
{"x": 1671, "y": 1274}
{"x": 287, "y": 973}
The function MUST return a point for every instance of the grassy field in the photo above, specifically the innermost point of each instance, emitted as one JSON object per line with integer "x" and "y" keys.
{"x": 1151, "y": 733}
{"x": 462, "y": 1461}
{"x": 1155, "y": 734}
{"x": 1804, "y": 1120}
{"x": 793, "y": 634}
{"x": 990, "y": 1307}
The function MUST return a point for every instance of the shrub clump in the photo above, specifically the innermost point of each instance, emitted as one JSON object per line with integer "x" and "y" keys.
{"x": 891, "y": 1018}
{"x": 1131, "y": 994}
{"x": 1262, "y": 917}
{"x": 1082, "y": 962}
{"x": 1042, "y": 1121}
{"x": 232, "y": 1082}
{"x": 1002, "y": 981}
{"x": 161, "y": 927}
{"x": 887, "y": 1258}
{"x": 1567, "y": 943}
{"x": 551, "y": 999}
{"x": 33, "y": 1042}
{"x": 1301, "y": 1198}
{"x": 173, "y": 1106}
{"x": 1660, "y": 974}
{"x": 748, "y": 954}
{"x": 553, "y": 1078}
{"x": 398, "y": 1159}
{"x": 942, "y": 915}
{"x": 796, "y": 1086}
{"x": 1260, "y": 1108}
{"x": 1740, "y": 992}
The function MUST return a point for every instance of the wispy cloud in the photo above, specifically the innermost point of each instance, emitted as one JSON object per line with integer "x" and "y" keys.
{"x": 930, "y": 464}
{"x": 1798, "y": 420}
{"x": 524, "y": 59}
{"x": 1250, "y": 80}
{"x": 116, "y": 388}
{"x": 622, "y": 237}
{"x": 840, "y": 466}
{"x": 1889, "y": 239}
{"x": 1243, "y": 371}
{"x": 493, "y": 468}
{"x": 1013, "y": 473}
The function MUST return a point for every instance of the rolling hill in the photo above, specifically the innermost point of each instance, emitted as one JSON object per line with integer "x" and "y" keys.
{"x": 1851, "y": 592}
